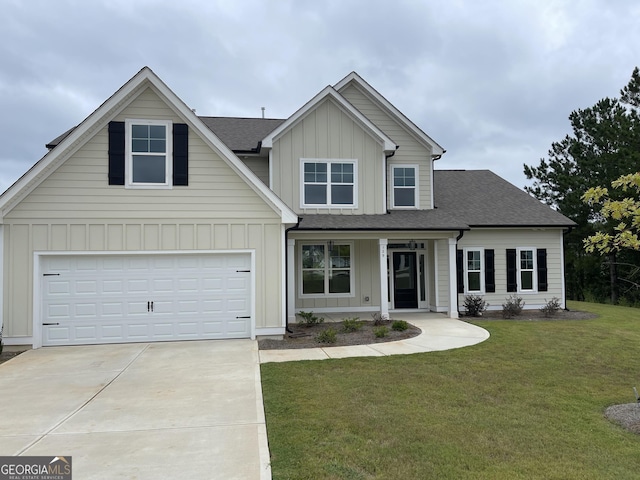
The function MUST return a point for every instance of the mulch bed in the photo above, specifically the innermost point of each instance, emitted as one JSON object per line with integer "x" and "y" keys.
{"x": 5, "y": 355}
{"x": 535, "y": 315}
{"x": 305, "y": 336}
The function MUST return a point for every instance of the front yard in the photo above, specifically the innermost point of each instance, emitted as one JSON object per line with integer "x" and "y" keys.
{"x": 527, "y": 403}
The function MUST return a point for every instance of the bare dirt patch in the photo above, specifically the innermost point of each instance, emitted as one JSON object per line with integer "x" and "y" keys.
{"x": 305, "y": 336}
{"x": 8, "y": 355}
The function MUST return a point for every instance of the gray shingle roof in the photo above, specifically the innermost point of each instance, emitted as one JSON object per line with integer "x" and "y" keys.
{"x": 483, "y": 199}
{"x": 241, "y": 134}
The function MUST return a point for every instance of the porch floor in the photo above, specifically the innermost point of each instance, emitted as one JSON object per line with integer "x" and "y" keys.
{"x": 438, "y": 333}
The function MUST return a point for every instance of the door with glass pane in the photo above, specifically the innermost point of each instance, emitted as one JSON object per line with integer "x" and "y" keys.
{"x": 405, "y": 286}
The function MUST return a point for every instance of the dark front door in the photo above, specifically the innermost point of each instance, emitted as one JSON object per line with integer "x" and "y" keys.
{"x": 405, "y": 289}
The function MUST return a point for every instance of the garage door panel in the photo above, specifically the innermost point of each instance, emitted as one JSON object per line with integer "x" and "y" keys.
{"x": 114, "y": 299}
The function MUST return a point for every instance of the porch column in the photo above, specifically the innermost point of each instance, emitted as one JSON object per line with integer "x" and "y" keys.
{"x": 384, "y": 282}
{"x": 453, "y": 281}
{"x": 291, "y": 281}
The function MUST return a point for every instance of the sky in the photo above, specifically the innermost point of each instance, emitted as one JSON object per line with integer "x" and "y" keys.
{"x": 491, "y": 81}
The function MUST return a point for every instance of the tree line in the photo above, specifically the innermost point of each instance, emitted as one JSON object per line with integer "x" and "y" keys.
{"x": 592, "y": 176}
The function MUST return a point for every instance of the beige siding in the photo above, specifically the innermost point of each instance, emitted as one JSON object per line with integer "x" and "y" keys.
{"x": 410, "y": 150}
{"x": 500, "y": 241}
{"x": 328, "y": 133}
{"x": 259, "y": 166}
{"x": 442, "y": 280}
{"x": 74, "y": 209}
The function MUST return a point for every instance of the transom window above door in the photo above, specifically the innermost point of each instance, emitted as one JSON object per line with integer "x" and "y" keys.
{"x": 328, "y": 183}
{"x": 404, "y": 193}
{"x": 148, "y": 153}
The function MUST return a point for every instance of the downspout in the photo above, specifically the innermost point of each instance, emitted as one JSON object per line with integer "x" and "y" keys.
{"x": 460, "y": 235}
{"x": 286, "y": 276}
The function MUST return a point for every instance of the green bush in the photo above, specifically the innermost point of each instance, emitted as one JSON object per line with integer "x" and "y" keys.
{"x": 474, "y": 305}
{"x": 551, "y": 307}
{"x": 350, "y": 325}
{"x": 512, "y": 307}
{"x": 330, "y": 335}
{"x": 308, "y": 319}
{"x": 399, "y": 325}
{"x": 381, "y": 332}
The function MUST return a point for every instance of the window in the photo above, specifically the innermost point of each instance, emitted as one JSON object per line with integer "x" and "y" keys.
{"x": 526, "y": 269}
{"x": 149, "y": 150}
{"x": 326, "y": 269}
{"x": 329, "y": 183}
{"x": 405, "y": 190}
{"x": 473, "y": 271}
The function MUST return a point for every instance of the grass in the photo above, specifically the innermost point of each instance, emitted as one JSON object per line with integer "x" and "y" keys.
{"x": 528, "y": 403}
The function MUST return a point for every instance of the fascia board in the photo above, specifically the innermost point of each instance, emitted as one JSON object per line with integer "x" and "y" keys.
{"x": 391, "y": 110}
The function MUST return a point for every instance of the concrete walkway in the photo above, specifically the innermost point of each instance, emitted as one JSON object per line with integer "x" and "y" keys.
{"x": 143, "y": 411}
{"x": 438, "y": 333}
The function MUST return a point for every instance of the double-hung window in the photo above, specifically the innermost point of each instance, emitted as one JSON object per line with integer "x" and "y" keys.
{"x": 527, "y": 269}
{"x": 326, "y": 269}
{"x": 404, "y": 193}
{"x": 473, "y": 271}
{"x": 148, "y": 153}
{"x": 328, "y": 183}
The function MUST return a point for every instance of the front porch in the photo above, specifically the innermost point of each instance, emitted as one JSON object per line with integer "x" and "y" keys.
{"x": 360, "y": 273}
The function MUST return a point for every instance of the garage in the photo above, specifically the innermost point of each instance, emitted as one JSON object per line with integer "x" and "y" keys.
{"x": 94, "y": 299}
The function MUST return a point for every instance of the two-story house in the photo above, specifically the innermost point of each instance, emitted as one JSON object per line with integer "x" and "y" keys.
{"x": 147, "y": 223}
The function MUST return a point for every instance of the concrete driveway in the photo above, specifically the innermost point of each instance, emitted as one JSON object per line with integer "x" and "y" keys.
{"x": 138, "y": 411}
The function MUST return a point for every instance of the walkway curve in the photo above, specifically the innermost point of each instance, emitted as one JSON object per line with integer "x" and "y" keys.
{"x": 438, "y": 333}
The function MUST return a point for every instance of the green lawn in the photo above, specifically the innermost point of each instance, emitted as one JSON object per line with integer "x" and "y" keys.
{"x": 527, "y": 403}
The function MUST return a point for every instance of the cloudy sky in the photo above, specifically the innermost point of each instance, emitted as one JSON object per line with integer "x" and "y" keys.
{"x": 492, "y": 81}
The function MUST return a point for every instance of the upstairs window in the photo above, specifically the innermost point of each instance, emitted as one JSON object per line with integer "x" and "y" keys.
{"x": 328, "y": 183}
{"x": 149, "y": 149}
{"x": 405, "y": 190}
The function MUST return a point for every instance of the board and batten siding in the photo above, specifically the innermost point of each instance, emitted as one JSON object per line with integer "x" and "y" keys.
{"x": 410, "y": 150}
{"x": 327, "y": 132}
{"x": 502, "y": 239}
{"x": 259, "y": 166}
{"x": 75, "y": 209}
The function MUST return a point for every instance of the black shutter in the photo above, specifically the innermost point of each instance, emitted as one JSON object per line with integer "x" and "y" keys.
{"x": 180, "y": 154}
{"x": 512, "y": 271}
{"x": 460, "y": 270}
{"x": 489, "y": 272}
{"x": 542, "y": 270}
{"x": 116, "y": 153}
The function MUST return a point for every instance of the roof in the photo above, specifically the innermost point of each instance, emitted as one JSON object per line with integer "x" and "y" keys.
{"x": 242, "y": 134}
{"x": 481, "y": 198}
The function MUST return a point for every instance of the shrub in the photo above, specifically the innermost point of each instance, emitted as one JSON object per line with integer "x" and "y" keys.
{"x": 330, "y": 335}
{"x": 381, "y": 332}
{"x": 512, "y": 307}
{"x": 399, "y": 325}
{"x": 350, "y": 325}
{"x": 475, "y": 305}
{"x": 551, "y": 307}
{"x": 308, "y": 319}
{"x": 378, "y": 319}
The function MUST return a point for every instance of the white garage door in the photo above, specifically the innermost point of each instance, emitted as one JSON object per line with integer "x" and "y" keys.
{"x": 145, "y": 298}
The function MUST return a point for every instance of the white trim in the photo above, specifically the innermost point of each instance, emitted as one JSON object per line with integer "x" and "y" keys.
{"x": 384, "y": 276}
{"x": 37, "y": 278}
{"x": 416, "y": 187}
{"x": 327, "y": 267}
{"x": 2, "y": 292}
{"x": 384, "y": 184}
{"x": 432, "y": 186}
{"x": 453, "y": 284}
{"x": 391, "y": 110}
{"x": 372, "y": 309}
{"x": 482, "y": 290}
{"x": 388, "y": 145}
{"x": 290, "y": 295}
{"x": 129, "y": 154}
{"x": 534, "y": 277}
{"x": 436, "y": 289}
{"x": 108, "y": 110}
{"x": 10, "y": 341}
{"x": 329, "y": 162}
{"x": 260, "y": 332}
{"x": 562, "y": 277}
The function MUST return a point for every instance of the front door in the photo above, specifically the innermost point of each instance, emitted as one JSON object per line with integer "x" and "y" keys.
{"x": 405, "y": 286}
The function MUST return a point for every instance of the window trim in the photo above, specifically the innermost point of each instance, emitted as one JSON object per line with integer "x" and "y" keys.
{"x": 168, "y": 184}
{"x": 533, "y": 270}
{"x": 329, "y": 162}
{"x": 416, "y": 187}
{"x": 467, "y": 290}
{"x": 326, "y": 293}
